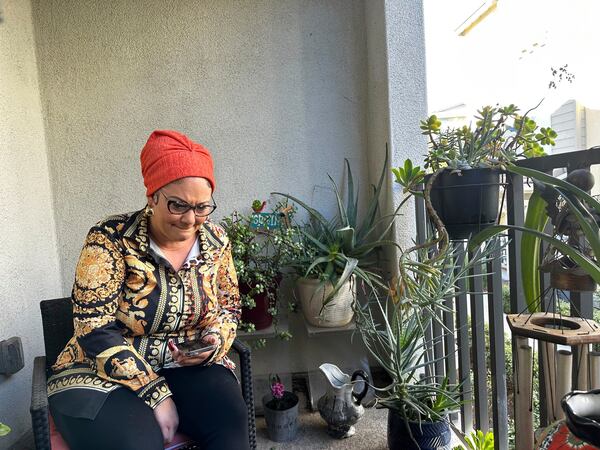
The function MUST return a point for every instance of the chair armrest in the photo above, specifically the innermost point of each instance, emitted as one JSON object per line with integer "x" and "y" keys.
{"x": 247, "y": 386}
{"x": 240, "y": 347}
{"x": 39, "y": 405}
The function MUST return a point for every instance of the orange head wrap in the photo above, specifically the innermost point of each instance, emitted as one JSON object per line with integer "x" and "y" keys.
{"x": 169, "y": 155}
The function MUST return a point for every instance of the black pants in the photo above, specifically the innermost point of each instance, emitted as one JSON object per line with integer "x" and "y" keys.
{"x": 209, "y": 403}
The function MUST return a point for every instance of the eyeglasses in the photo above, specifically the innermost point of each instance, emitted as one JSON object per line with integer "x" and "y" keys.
{"x": 179, "y": 207}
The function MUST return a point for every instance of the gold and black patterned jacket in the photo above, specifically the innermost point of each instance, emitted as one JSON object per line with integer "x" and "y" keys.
{"x": 128, "y": 302}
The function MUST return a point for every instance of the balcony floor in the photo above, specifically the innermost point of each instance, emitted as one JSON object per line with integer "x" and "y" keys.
{"x": 371, "y": 432}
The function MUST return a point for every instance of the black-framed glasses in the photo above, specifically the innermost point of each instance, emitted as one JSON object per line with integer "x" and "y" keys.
{"x": 179, "y": 207}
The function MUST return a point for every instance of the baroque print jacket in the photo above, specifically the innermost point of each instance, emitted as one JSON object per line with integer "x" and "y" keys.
{"x": 128, "y": 302}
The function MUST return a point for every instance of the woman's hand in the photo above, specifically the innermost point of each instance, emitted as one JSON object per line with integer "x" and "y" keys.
{"x": 182, "y": 360}
{"x": 167, "y": 418}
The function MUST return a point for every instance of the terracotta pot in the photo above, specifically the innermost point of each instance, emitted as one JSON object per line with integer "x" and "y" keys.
{"x": 337, "y": 313}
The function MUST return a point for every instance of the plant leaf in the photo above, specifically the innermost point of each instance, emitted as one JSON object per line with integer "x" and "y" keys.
{"x": 583, "y": 261}
{"x": 4, "y": 429}
{"x": 351, "y": 209}
{"x": 536, "y": 219}
{"x": 553, "y": 181}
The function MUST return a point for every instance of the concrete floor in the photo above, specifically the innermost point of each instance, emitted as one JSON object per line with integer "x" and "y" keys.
{"x": 371, "y": 432}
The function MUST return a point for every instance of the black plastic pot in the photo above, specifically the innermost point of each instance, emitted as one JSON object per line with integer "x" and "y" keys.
{"x": 425, "y": 436}
{"x": 582, "y": 414}
{"x": 466, "y": 200}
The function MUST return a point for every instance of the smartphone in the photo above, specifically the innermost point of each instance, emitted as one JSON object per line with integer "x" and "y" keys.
{"x": 195, "y": 348}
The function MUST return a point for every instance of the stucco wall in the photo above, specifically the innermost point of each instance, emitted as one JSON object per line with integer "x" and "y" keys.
{"x": 277, "y": 89}
{"x": 407, "y": 88}
{"x": 396, "y": 100}
{"x": 28, "y": 255}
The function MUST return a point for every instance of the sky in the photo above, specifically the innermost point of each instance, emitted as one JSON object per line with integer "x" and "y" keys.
{"x": 507, "y": 57}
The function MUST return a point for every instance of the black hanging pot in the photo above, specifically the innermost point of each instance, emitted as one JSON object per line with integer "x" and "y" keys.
{"x": 425, "y": 436}
{"x": 582, "y": 415}
{"x": 466, "y": 200}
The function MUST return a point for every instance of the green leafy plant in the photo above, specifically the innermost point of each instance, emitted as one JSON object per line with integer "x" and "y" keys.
{"x": 4, "y": 429}
{"x": 583, "y": 209}
{"x": 409, "y": 177}
{"x": 398, "y": 339}
{"x": 394, "y": 327}
{"x": 259, "y": 256}
{"x": 478, "y": 441}
{"x": 346, "y": 245}
{"x": 500, "y": 135}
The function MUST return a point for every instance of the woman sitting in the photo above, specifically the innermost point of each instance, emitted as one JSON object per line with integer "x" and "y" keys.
{"x": 146, "y": 284}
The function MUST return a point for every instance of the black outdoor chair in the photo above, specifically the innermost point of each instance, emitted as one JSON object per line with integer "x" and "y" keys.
{"x": 57, "y": 321}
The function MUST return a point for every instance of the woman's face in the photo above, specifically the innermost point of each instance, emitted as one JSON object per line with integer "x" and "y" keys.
{"x": 169, "y": 227}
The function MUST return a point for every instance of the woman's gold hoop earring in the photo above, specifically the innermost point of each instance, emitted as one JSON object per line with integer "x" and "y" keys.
{"x": 149, "y": 211}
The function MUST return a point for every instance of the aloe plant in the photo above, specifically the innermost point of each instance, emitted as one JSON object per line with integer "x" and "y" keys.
{"x": 580, "y": 204}
{"x": 346, "y": 245}
{"x": 394, "y": 331}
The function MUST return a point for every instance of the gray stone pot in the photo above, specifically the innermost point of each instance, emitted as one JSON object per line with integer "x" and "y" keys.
{"x": 282, "y": 426}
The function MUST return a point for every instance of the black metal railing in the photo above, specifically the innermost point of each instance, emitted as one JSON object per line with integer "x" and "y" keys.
{"x": 478, "y": 366}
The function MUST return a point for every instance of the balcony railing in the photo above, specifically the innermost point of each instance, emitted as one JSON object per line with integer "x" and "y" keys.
{"x": 478, "y": 366}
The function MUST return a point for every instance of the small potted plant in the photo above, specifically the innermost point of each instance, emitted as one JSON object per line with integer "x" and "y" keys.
{"x": 259, "y": 253}
{"x": 281, "y": 412}
{"x": 339, "y": 253}
{"x": 466, "y": 164}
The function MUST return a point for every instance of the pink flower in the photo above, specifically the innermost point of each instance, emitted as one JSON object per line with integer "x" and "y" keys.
{"x": 277, "y": 389}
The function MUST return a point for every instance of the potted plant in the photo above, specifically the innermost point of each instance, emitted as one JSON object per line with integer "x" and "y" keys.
{"x": 394, "y": 330}
{"x": 339, "y": 253}
{"x": 281, "y": 412}
{"x": 466, "y": 164}
{"x": 259, "y": 253}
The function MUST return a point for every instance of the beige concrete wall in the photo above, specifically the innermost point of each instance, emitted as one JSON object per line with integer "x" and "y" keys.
{"x": 396, "y": 100}
{"x": 281, "y": 91}
{"x": 277, "y": 89}
{"x": 28, "y": 255}
{"x": 407, "y": 95}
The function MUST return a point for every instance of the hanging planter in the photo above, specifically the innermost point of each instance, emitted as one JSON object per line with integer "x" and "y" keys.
{"x": 466, "y": 200}
{"x": 466, "y": 161}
